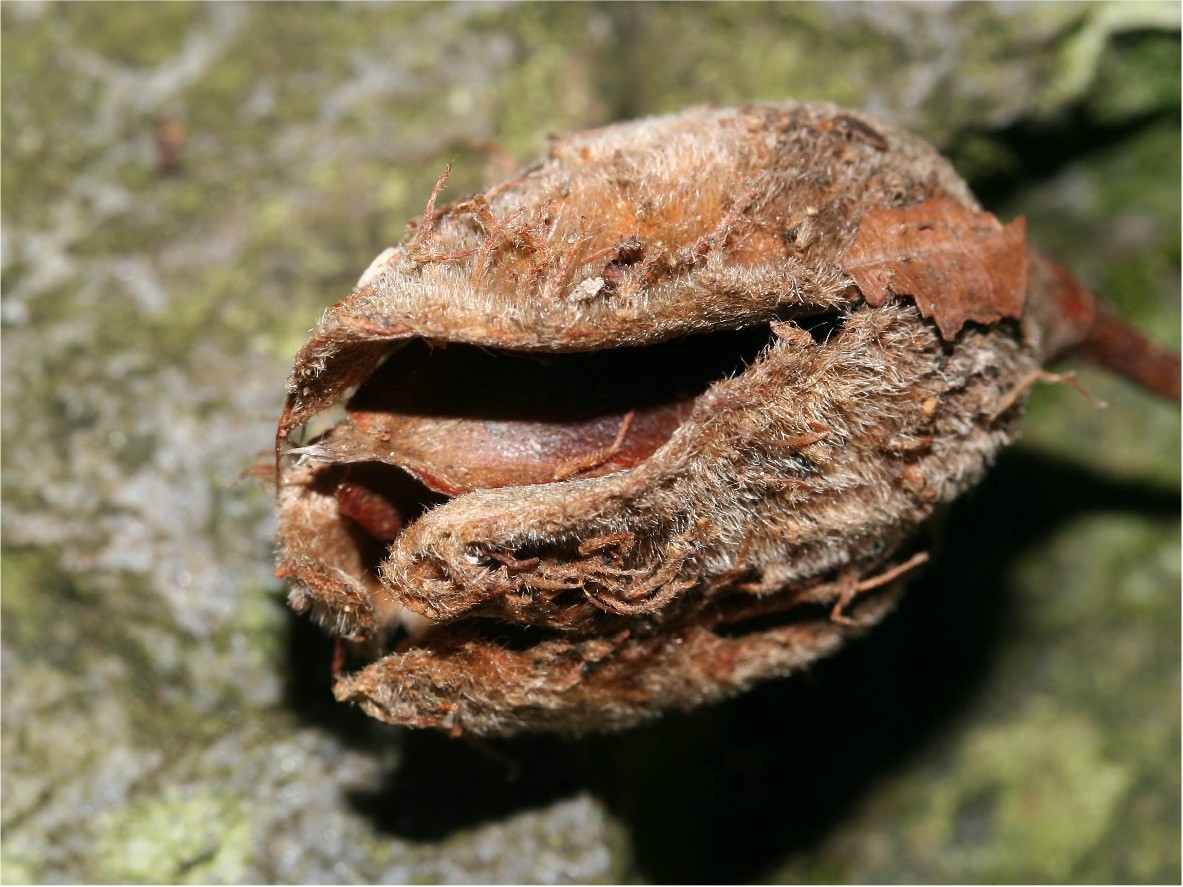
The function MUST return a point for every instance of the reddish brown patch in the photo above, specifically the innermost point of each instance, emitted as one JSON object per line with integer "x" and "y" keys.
{"x": 370, "y": 509}
{"x": 464, "y": 419}
{"x": 956, "y": 263}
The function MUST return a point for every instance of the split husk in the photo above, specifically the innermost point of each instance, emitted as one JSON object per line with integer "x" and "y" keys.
{"x": 656, "y": 419}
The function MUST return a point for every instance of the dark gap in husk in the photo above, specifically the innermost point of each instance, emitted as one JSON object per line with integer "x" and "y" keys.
{"x": 378, "y": 501}
{"x": 781, "y": 618}
{"x": 460, "y": 418}
{"x": 458, "y": 381}
{"x": 823, "y": 327}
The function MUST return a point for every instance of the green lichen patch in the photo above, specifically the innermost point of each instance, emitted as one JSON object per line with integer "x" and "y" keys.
{"x": 1096, "y": 615}
{"x": 1031, "y": 798}
{"x": 549, "y": 79}
{"x": 184, "y": 835}
{"x": 35, "y": 597}
{"x": 1134, "y": 75}
{"x": 1116, "y": 84}
{"x": 129, "y": 33}
{"x": 731, "y": 54}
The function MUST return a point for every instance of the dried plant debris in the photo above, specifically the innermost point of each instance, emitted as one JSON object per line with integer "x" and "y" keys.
{"x": 654, "y": 420}
{"x": 957, "y": 264}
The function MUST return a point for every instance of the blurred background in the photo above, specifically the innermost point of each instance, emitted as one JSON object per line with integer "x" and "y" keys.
{"x": 187, "y": 185}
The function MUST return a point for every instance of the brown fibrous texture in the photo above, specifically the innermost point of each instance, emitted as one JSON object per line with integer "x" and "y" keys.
{"x": 654, "y": 420}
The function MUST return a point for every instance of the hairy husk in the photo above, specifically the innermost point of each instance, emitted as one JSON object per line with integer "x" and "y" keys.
{"x": 772, "y": 522}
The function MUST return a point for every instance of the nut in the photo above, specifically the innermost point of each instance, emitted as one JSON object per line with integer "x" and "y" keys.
{"x": 653, "y": 421}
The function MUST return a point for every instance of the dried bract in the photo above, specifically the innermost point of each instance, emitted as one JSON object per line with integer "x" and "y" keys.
{"x": 958, "y": 265}
{"x": 655, "y": 420}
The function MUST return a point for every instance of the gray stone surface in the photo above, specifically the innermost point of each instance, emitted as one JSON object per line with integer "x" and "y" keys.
{"x": 165, "y": 719}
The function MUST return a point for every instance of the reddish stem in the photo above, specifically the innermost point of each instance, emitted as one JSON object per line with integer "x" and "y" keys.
{"x": 1119, "y": 347}
{"x": 1075, "y": 321}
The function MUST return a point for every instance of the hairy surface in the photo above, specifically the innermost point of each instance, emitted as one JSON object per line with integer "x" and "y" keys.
{"x": 617, "y": 504}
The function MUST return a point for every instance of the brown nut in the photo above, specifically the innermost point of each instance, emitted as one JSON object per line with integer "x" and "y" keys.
{"x": 654, "y": 420}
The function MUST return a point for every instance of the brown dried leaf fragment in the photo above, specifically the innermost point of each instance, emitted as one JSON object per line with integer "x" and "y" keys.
{"x": 956, "y": 263}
